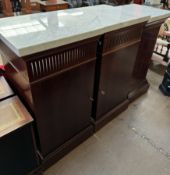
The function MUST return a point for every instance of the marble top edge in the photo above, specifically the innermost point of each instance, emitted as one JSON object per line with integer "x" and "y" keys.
{"x": 24, "y": 51}
{"x": 48, "y": 30}
{"x": 154, "y": 13}
{"x": 72, "y": 39}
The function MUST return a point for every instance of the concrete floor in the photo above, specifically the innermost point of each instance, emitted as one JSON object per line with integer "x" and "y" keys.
{"x": 137, "y": 142}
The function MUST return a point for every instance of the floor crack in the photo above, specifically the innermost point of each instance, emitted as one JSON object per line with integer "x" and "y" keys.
{"x": 149, "y": 141}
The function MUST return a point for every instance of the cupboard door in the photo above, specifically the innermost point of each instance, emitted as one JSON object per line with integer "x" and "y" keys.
{"x": 116, "y": 70}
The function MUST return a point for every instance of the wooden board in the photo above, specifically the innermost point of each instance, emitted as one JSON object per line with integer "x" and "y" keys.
{"x": 13, "y": 115}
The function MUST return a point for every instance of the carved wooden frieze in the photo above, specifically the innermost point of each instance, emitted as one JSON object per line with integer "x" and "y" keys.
{"x": 61, "y": 59}
{"x": 118, "y": 39}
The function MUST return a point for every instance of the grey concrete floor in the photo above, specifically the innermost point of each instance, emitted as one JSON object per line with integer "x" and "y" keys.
{"x": 137, "y": 142}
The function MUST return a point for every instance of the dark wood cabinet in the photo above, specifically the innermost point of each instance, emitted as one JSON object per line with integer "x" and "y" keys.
{"x": 63, "y": 106}
{"x": 114, "y": 72}
{"x": 138, "y": 82}
{"x": 57, "y": 86}
{"x": 75, "y": 89}
{"x": 61, "y": 93}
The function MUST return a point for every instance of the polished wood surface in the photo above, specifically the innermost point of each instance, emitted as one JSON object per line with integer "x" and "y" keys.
{"x": 67, "y": 120}
{"x": 114, "y": 70}
{"x": 145, "y": 52}
{"x": 61, "y": 94}
{"x": 138, "y": 81}
{"x": 70, "y": 78}
{"x": 53, "y": 5}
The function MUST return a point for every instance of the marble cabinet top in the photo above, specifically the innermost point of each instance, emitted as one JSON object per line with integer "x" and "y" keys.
{"x": 154, "y": 13}
{"x": 29, "y": 34}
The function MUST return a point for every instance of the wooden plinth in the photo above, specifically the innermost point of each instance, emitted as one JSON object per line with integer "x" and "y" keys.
{"x": 67, "y": 147}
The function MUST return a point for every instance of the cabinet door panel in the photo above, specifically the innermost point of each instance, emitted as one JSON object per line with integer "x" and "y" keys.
{"x": 63, "y": 107}
{"x": 116, "y": 70}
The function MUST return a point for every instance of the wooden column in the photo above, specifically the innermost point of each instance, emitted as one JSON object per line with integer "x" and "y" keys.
{"x": 7, "y": 8}
{"x": 26, "y": 6}
{"x": 138, "y": 1}
{"x": 139, "y": 83}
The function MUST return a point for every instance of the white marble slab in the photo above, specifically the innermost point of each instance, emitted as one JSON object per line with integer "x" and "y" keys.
{"x": 37, "y": 32}
{"x": 34, "y": 33}
{"x": 138, "y": 10}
